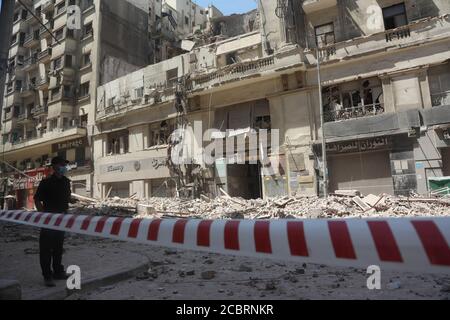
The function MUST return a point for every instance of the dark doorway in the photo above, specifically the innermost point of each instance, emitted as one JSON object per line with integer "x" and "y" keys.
{"x": 244, "y": 180}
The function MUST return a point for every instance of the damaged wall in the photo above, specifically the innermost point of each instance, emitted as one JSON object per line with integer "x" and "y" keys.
{"x": 120, "y": 53}
{"x": 236, "y": 24}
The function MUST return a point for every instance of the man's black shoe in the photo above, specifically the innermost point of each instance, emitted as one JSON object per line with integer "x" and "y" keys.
{"x": 49, "y": 283}
{"x": 61, "y": 276}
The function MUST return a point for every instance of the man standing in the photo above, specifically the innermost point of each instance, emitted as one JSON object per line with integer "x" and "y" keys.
{"x": 53, "y": 196}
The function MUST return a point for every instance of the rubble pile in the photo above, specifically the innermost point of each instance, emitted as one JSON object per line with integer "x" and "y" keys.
{"x": 225, "y": 207}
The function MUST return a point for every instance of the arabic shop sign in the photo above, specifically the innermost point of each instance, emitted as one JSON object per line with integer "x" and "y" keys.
{"x": 21, "y": 182}
{"x": 359, "y": 146}
{"x": 67, "y": 145}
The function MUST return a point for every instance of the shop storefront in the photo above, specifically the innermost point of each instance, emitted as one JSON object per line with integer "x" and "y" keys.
{"x": 24, "y": 188}
{"x": 362, "y": 165}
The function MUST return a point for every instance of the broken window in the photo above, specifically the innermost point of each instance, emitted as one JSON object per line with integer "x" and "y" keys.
{"x": 395, "y": 16}
{"x": 231, "y": 58}
{"x": 353, "y": 100}
{"x": 160, "y": 133}
{"x": 325, "y": 35}
{"x": 172, "y": 77}
{"x": 118, "y": 142}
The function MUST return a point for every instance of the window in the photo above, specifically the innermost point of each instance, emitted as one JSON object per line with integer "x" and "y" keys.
{"x": 55, "y": 93}
{"x": 139, "y": 92}
{"x": 325, "y": 35}
{"x": 111, "y": 102}
{"x": 86, "y": 60}
{"x": 88, "y": 31}
{"x": 395, "y": 16}
{"x": 353, "y": 99}
{"x": 60, "y": 7}
{"x": 118, "y": 142}
{"x": 68, "y": 61}
{"x": 59, "y": 34}
{"x": 67, "y": 92}
{"x": 57, "y": 64}
{"x": 439, "y": 80}
{"x": 172, "y": 77}
{"x": 69, "y": 33}
{"x": 160, "y": 132}
{"x": 84, "y": 89}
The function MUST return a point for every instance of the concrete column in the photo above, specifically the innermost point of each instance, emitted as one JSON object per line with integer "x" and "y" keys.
{"x": 388, "y": 94}
{"x": 425, "y": 89}
{"x": 122, "y": 144}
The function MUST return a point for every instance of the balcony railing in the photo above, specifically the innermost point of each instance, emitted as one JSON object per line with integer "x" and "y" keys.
{"x": 46, "y": 31}
{"x": 421, "y": 30}
{"x": 39, "y": 110}
{"x": 234, "y": 71}
{"x": 8, "y": 116}
{"x": 48, "y": 6}
{"x": 354, "y": 113}
{"x": 45, "y": 54}
{"x": 24, "y": 116}
{"x": 31, "y": 38}
{"x": 27, "y": 64}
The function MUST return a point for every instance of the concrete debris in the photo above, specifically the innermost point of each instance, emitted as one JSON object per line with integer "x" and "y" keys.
{"x": 226, "y": 207}
{"x": 208, "y": 275}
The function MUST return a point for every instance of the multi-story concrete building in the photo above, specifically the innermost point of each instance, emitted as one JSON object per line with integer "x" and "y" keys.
{"x": 385, "y": 79}
{"x": 58, "y": 56}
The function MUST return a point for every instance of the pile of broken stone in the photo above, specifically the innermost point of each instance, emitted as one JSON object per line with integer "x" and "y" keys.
{"x": 344, "y": 204}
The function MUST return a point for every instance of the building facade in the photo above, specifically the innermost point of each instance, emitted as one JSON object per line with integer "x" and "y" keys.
{"x": 385, "y": 85}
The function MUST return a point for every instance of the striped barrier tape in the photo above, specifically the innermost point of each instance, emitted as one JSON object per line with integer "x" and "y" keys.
{"x": 418, "y": 245}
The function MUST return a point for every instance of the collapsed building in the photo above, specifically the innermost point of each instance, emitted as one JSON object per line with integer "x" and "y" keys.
{"x": 385, "y": 75}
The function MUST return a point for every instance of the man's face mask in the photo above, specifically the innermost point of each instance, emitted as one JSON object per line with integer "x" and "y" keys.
{"x": 62, "y": 170}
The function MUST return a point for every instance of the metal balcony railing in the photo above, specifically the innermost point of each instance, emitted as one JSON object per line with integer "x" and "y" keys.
{"x": 354, "y": 113}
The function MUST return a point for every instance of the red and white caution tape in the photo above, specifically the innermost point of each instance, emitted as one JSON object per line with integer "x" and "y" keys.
{"x": 420, "y": 244}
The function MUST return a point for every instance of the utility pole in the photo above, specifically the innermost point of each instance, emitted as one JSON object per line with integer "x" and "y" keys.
{"x": 322, "y": 123}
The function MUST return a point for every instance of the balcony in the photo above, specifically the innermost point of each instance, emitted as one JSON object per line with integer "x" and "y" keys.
{"x": 46, "y": 139}
{"x": 38, "y": 111}
{"x": 30, "y": 64}
{"x": 27, "y": 90}
{"x": 31, "y": 39}
{"x": 42, "y": 83}
{"x": 45, "y": 32}
{"x": 426, "y": 30}
{"x": 234, "y": 72}
{"x": 354, "y": 113}
{"x": 48, "y": 6}
{"x": 45, "y": 55}
{"x": 24, "y": 117}
{"x": 8, "y": 116}
{"x": 311, "y": 6}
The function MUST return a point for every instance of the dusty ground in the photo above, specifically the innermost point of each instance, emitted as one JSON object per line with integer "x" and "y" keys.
{"x": 197, "y": 276}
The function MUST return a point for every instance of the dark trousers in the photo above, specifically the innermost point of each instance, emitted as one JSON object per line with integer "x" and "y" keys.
{"x": 51, "y": 251}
